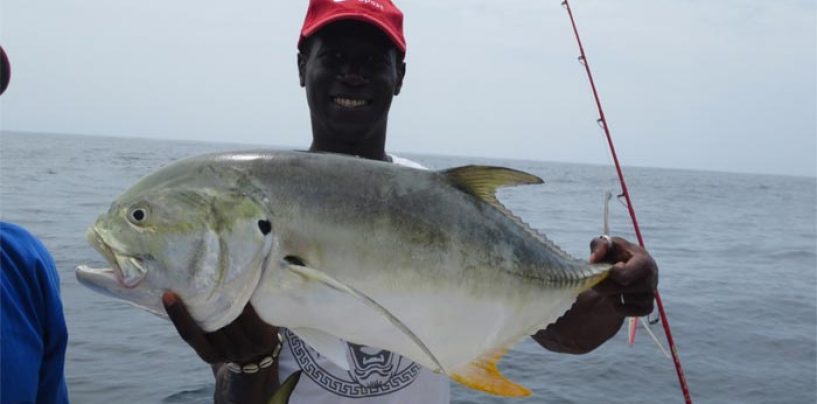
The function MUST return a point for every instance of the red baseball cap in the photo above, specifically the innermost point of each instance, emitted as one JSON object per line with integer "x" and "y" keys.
{"x": 382, "y": 14}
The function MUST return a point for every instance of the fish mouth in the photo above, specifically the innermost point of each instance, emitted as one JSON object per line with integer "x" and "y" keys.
{"x": 105, "y": 281}
{"x": 99, "y": 279}
{"x": 128, "y": 269}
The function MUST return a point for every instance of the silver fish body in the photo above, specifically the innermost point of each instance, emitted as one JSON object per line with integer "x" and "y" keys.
{"x": 427, "y": 264}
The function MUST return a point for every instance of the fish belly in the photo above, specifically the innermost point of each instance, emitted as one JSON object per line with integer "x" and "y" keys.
{"x": 453, "y": 322}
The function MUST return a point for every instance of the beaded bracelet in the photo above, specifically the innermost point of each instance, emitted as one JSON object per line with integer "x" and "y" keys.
{"x": 265, "y": 362}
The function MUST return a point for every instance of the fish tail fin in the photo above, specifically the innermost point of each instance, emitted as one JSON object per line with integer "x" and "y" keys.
{"x": 482, "y": 374}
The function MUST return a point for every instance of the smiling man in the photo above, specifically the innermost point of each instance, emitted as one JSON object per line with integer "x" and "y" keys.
{"x": 351, "y": 65}
{"x": 351, "y": 71}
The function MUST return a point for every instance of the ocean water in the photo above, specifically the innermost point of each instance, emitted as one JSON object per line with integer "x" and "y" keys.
{"x": 736, "y": 254}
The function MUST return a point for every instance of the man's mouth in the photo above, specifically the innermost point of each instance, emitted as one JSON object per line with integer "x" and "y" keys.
{"x": 346, "y": 102}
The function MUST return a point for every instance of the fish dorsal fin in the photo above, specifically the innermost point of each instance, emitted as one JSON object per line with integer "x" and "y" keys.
{"x": 483, "y": 181}
{"x": 482, "y": 374}
{"x": 320, "y": 276}
{"x": 330, "y": 346}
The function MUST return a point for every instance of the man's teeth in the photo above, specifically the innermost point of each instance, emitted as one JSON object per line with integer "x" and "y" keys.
{"x": 349, "y": 102}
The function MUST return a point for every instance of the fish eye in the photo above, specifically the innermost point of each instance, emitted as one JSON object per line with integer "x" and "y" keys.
{"x": 138, "y": 215}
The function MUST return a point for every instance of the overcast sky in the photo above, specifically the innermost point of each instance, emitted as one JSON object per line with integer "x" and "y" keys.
{"x": 724, "y": 85}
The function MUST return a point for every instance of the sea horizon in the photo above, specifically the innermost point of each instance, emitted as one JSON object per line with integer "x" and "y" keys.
{"x": 408, "y": 153}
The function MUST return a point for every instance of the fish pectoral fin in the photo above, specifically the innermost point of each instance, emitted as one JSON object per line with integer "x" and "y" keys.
{"x": 482, "y": 374}
{"x": 285, "y": 390}
{"x": 324, "y": 278}
{"x": 483, "y": 181}
{"x": 330, "y": 346}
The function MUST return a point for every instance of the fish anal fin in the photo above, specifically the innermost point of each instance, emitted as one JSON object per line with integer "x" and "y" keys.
{"x": 483, "y": 375}
{"x": 483, "y": 181}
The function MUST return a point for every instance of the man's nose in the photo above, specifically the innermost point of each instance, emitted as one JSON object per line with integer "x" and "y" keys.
{"x": 353, "y": 75}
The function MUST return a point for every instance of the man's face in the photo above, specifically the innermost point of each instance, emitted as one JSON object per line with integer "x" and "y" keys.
{"x": 350, "y": 71}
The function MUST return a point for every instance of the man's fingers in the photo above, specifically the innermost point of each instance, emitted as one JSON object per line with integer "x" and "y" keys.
{"x": 187, "y": 328}
{"x": 634, "y": 305}
{"x": 633, "y": 277}
{"x": 616, "y": 250}
{"x": 598, "y": 249}
{"x": 639, "y": 267}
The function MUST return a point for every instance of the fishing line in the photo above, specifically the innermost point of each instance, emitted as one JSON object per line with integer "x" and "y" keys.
{"x": 602, "y": 120}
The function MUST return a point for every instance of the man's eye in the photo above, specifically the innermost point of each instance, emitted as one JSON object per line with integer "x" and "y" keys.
{"x": 377, "y": 59}
{"x": 331, "y": 55}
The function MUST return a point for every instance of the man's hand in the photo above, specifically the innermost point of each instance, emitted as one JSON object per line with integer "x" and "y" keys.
{"x": 630, "y": 286}
{"x": 246, "y": 339}
{"x": 598, "y": 313}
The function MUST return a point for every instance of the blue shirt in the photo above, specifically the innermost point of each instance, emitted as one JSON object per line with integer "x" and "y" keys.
{"x": 33, "y": 335}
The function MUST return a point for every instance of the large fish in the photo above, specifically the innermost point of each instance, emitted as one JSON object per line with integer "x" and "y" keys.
{"x": 427, "y": 264}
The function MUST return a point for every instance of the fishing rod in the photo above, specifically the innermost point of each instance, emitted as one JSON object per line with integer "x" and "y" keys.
{"x": 626, "y": 194}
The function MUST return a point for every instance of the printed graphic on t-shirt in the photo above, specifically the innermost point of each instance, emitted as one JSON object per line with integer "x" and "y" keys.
{"x": 374, "y": 372}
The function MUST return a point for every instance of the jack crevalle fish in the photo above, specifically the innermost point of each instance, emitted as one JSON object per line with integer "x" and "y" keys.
{"x": 426, "y": 264}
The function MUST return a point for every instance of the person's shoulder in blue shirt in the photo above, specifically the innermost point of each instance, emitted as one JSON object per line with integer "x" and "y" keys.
{"x": 33, "y": 335}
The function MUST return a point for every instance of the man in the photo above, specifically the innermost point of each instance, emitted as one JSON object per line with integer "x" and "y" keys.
{"x": 33, "y": 335}
{"x": 350, "y": 63}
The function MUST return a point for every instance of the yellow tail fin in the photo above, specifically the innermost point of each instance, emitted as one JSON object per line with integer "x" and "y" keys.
{"x": 482, "y": 374}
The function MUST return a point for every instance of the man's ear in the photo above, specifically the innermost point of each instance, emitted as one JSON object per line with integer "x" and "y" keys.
{"x": 401, "y": 72}
{"x": 302, "y": 68}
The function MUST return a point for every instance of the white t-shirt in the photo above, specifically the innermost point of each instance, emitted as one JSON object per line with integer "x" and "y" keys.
{"x": 377, "y": 376}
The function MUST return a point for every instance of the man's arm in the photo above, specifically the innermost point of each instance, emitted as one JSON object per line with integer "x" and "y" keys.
{"x": 32, "y": 324}
{"x": 246, "y": 340}
{"x": 598, "y": 314}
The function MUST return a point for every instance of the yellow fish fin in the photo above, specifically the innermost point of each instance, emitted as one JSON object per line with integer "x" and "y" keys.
{"x": 482, "y": 374}
{"x": 483, "y": 181}
{"x": 285, "y": 390}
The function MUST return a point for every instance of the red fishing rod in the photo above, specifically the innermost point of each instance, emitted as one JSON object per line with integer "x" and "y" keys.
{"x": 626, "y": 194}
